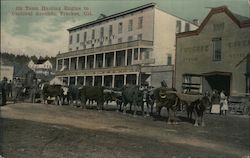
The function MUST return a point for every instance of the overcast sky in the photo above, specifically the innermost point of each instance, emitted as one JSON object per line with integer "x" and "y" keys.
{"x": 46, "y": 35}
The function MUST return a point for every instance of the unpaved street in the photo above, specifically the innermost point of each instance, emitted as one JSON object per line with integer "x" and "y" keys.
{"x": 38, "y": 130}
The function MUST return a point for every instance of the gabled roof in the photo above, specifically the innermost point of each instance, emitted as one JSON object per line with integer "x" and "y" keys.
{"x": 113, "y": 16}
{"x": 39, "y": 61}
{"x": 21, "y": 70}
{"x": 240, "y": 20}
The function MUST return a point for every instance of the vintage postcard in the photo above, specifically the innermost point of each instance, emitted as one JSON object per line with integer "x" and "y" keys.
{"x": 125, "y": 79}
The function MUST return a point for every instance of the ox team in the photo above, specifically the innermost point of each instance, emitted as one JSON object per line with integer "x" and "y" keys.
{"x": 132, "y": 95}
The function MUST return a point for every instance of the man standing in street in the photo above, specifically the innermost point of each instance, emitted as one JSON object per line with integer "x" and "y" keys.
{"x": 17, "y": 89}
{"x": 33, "y": 90}
{"x": 3, "y": 89}
{"x": 9, "y": 89}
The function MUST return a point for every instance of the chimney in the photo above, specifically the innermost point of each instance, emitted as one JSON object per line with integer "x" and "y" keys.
{"x": 196, "y": 22}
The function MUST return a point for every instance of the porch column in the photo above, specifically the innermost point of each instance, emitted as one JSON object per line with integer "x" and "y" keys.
{"x": 94, "y": 61}
{"x": 114, "y": 59}
{"x": 56, "y": 64}
{"x": 69, "y": 63}
{"x": 77, "y": 62}
{"x": 84, "y": 80}
{"x": 93, "y": 80}
{"x": 103, "y": 60}
{"x": 102, "y": 80}
{"x": 68, "y": 80}
{"x": 139, "y": 54}
{"x": 137, "y": 78}
{"x": 133, "y": 55}
{"x": 125, "y": 79}
{"x": 113, "y": 81}
{"x": 126, "y": 57}
{"x": 76, "y": 80}
{"x": 86, "y": 60}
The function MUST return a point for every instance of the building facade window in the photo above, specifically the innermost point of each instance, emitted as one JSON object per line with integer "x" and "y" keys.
{"x": 216, "y": 49}
{"x": 178, "y": 26}
{"x": 70, "y": 39}
{"x": 93, "y": 34}
{"x": 130, "y": 38}
{"x": 139, "y": 37}
{"x": 130, "y": 25}
{"x": 85, "y": 36}
{"x": 110, "y": 30}
{"x": 144, "y": 53}
{"x": 102, "y": 32}
{"x": 120, "y": 27}
{"x": 191, "y": 83}
{"x": 187, "y": 27}
{"x": 169, "y": 60}
{"x": 218, "y": 27}
{"x": 77, "y": 38}
{"x": 136, "y": 54}
{"x": 140, "y": 22}
{"x": 119, "y": 40}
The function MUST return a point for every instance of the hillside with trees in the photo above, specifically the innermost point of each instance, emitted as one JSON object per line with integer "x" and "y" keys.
{"x": 12, "y": 59}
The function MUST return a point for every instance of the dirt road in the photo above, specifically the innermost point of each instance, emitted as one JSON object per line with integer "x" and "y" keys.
{"x": 37, "y": 130}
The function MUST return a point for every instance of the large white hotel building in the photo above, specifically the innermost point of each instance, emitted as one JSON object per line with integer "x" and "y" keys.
{"x": 129, "y": 47}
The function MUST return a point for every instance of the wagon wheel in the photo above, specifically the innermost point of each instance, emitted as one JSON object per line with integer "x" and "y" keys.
{"x": 246, "y": 110}
{"x": 231, "y": 107}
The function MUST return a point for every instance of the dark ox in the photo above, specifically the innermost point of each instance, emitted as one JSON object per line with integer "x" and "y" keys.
{"x": 53, "y": 91}
{"x": 199, "y": 107}
{"x": 108, "y": 96}
{"x": 133, "y": 96}
{"x": 113, "y": 95}
{"x": 92, "y": 93}
{"x": 167, "y": 98}
{"x": 73, "y": 94}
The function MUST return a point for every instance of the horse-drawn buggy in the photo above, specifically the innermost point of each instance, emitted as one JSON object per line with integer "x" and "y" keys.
{"x": 239, "y": 104}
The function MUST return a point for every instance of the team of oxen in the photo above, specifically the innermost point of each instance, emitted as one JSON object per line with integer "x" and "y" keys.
{"x": 131, "y": 95}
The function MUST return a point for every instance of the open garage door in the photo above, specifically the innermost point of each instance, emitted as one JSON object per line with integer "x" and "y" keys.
{"x": 217, "y": 80}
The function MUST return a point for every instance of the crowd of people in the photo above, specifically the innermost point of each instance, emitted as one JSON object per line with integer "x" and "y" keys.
{"x": 14, "y": 89}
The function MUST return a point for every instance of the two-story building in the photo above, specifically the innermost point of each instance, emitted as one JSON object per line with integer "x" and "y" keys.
{"x": 129, "y": 47}
{"x": 41, "y": 66}
{"x": 216, "y": 55}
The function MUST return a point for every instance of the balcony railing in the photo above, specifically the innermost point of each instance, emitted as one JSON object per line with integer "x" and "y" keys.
{"x": 106, "y": 70}
{"x": 107, "y": 48}
{"x": 145, "y": 61}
